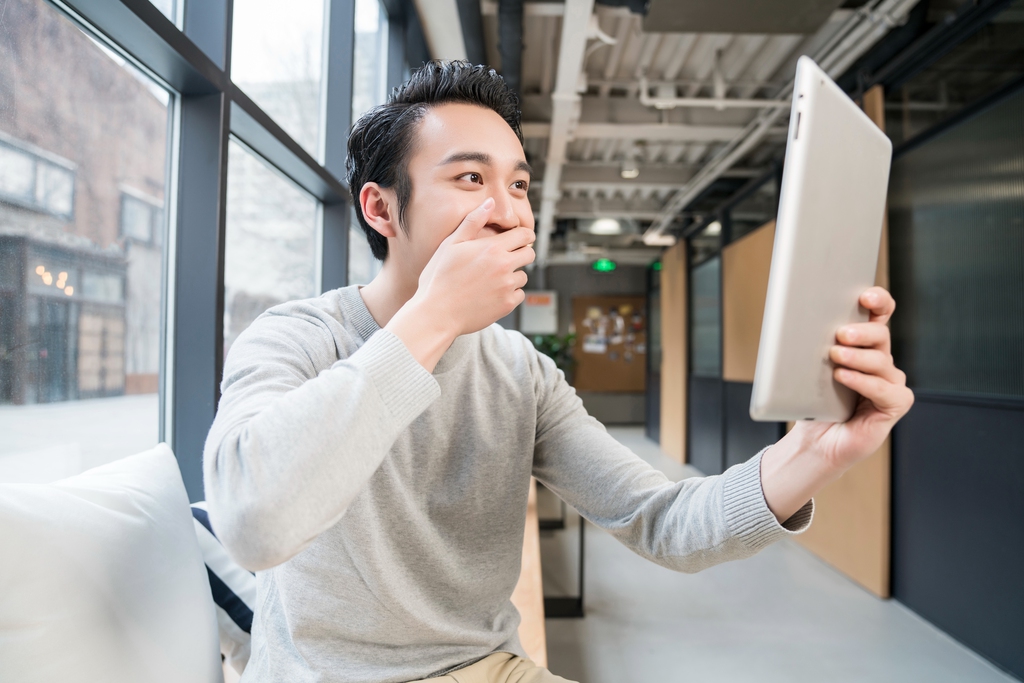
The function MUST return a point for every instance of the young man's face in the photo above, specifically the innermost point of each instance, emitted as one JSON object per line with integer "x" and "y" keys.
{"x": 463, "y": 154}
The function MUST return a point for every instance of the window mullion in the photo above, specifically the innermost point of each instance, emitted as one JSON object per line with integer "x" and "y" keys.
{"x": 337, "y": 119}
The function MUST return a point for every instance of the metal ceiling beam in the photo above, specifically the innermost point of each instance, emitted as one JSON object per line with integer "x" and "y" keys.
{"x": 564, "y": 114}
{"x": 653, "y": 132}
{"x": 671, "y": 175}
{"x": 589, "y": 207}
{"x": 489, "y": 8}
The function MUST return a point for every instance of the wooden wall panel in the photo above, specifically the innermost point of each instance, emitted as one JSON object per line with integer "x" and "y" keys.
{"x": 673, "y": 351}
{"x": 852, "y": 527}
{"x": 745, "y": 266}
{"x": 852, "y": 522}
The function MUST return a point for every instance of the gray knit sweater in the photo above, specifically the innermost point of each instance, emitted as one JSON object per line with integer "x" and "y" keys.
{"x": 383, "y": 506}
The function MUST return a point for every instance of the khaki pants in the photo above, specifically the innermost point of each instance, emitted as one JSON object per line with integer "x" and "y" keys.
{"x": 501, "y": 667}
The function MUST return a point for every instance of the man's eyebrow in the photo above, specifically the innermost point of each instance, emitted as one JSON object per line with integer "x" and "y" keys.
{"x": 479, "y": 157}
{"x": 482, "y": 158}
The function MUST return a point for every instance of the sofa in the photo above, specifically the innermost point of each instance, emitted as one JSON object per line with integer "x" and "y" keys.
{"x": 112, "y": 576}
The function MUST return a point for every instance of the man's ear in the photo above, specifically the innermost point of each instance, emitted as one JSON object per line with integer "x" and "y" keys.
{"x": 380, "y": 208}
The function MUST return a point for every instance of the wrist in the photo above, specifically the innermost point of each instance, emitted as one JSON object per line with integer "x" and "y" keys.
{"x": 426, "y": 332}
{"x": 792, "y": 471}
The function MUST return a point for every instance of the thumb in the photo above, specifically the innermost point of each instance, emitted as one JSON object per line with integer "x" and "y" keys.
{"x": 474, "y": 222}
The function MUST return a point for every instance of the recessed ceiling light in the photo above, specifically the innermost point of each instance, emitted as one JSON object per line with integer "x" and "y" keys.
{"x": 629, "y": 170}
{"x": 605, "y": 226}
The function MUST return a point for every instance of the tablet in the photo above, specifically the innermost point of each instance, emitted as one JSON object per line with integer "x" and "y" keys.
{"x": 831, "y": 207}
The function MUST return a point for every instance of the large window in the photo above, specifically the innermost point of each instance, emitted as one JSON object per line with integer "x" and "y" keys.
{"x": 271, "y": 247}
{"x": 277, "y": 59}
{"x": 156, "y": 195}
{"x": 83, "y": 145}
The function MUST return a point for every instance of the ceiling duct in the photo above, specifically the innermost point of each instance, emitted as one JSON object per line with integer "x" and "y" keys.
{"x": 738, "y": 16}
{"x": 510, "y": 43}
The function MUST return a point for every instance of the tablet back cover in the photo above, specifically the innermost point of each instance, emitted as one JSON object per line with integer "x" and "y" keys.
{"x": 827, "y": 236}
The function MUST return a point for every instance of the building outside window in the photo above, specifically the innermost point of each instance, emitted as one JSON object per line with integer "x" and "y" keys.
{"x": 83, "y": 145}
{"x": 35, "y": 179}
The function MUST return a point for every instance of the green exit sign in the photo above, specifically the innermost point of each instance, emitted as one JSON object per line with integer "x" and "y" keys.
{"x": 603, "y": 265}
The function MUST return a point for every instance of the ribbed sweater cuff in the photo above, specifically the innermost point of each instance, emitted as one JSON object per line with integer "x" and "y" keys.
{"x": 404, "y": 385}
{"x": 746, "y": 510}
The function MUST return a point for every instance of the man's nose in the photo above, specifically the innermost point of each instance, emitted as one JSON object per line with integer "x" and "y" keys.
{"x": 503, "y": 217}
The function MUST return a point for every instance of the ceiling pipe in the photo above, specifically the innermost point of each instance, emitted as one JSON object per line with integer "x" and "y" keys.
{"x": 472, "y": 31}
{"x": 706, "y": 102}
{"x": 564, "y": 116}
{"x": 854, "y": 38}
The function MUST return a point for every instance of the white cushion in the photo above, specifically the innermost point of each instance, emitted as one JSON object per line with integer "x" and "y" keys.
{"x": 102, "y": 579}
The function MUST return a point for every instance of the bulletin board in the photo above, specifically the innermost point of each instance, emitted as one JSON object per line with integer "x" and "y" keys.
{"x": 611, "y": 343}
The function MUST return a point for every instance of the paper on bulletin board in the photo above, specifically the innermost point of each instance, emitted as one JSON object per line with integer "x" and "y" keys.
{"x": 539, "y": 314}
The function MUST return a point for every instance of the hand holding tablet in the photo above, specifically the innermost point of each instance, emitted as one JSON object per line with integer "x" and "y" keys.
{"x": 825, "y": 356}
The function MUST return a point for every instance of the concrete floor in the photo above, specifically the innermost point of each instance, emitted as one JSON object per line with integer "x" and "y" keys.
{"x": 782, "y": 615}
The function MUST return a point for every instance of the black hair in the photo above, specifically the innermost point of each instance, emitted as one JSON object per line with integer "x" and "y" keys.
{"x": 382, "y": 139}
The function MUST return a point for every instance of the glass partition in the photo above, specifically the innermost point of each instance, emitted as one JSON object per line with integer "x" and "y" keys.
{"x": 83, "y": 152}
{"x": 956, "y": 240}
{"x": 706, "y": 319}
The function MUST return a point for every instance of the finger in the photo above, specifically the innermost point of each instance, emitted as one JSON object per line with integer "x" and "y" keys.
{"x": 474, "y": 222}
{"x": 516, "y": 238}
{"x": 868, "y": 361}
{"x": 519, "y": 279}
{"x": 522, "y": 257}
{"x": 892, "y": 399}
{"x": 865, "y": 335}
{"x": 879, "y": 303}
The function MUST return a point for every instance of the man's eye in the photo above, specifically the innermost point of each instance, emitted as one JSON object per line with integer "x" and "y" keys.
{"x": 473, "y": 177}
{"x": 521, "y": 185}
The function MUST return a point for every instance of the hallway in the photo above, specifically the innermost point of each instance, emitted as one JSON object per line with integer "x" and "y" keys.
{"x": 781, "y": 616}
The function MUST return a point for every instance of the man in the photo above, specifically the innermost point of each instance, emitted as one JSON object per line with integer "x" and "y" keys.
{"x": 373, "y": 447}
